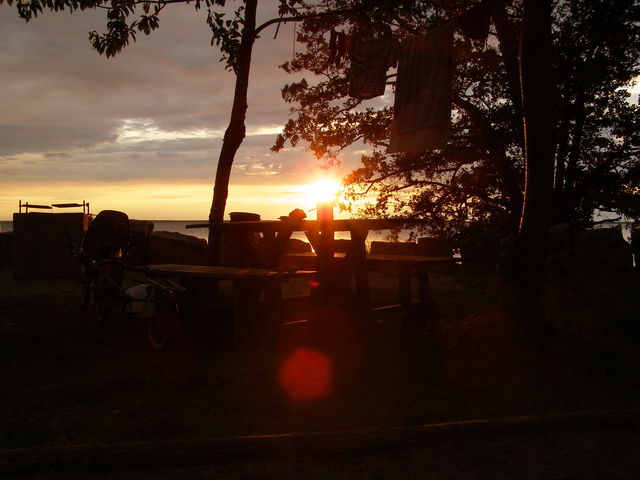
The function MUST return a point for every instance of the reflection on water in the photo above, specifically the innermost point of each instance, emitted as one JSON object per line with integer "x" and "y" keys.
{"x": 180, "y": 227}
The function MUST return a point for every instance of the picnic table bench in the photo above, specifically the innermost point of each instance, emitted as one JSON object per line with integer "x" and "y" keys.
{"x": 332, "y": 271}
{"x": 403, "y": 265}
{"x": 248, "y": 284}
{"x": 228, "y": 273}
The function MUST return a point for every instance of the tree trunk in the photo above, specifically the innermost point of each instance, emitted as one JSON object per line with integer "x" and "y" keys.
{"x": 235, "y": 133}
{"x": 529, "y": 251}
{"x": 573, "y": 157}
{"x": 559, "y": 213}
{"x": 508, "y": 48}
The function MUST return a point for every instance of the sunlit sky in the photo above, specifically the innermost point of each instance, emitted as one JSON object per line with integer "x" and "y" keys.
{"x": 142, "y": 132}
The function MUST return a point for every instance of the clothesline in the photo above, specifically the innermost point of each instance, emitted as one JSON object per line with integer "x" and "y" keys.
{"x": 424, "y": 78}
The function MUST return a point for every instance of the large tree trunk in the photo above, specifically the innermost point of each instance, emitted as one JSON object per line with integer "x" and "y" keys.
{"x": 508, "y": 42}
{"x": 235, "y": 133}
{"x": 530, "y": 247}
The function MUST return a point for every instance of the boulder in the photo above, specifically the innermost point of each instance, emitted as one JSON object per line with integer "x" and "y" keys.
{"x": 341, "y": 245}
{"x": 560, "y": 250}
{"x": 394, "y": 248}
{"x": 601, "y": 250}
{"x": 173, "y": 247}
{"x": 435, "y": 247}
{"x": 6, "y": 250}
{"x": 295, "y": 245}
{"x": 635, "y": 246}
{"x": 141, "y": 231}
{"x": 482, "y": 250}
{"x": 39, "y": 244}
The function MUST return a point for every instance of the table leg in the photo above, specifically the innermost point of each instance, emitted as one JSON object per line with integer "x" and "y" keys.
{"x": 322, "y": 242}
{"x": 358, "y": 257}
{"x": 424, "y": 291}
{"x": 247, "y": 317}
{"x": 404, "y": 284}
{"x": 275, "y": 245}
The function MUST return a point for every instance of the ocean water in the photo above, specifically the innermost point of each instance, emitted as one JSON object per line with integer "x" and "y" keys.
{"x": 179, "y": 226}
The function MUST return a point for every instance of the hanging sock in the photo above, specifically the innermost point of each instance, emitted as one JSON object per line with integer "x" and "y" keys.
{"x": 333, "y": 46}
{"x": 422, "y": 107}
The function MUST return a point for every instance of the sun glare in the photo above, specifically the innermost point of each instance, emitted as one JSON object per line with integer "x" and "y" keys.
{"x": 324, "y": 190}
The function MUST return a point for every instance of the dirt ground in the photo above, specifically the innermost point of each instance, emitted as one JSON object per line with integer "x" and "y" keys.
{"x": 65, "y": 381}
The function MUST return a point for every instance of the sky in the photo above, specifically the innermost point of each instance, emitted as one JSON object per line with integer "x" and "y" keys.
{"x": 141, "y": 132}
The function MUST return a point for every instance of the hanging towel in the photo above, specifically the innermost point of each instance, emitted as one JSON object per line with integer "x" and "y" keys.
{"x": 422, "y": 107}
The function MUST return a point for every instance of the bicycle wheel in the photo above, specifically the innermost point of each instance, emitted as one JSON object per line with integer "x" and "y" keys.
{"x": 161, "y": 324}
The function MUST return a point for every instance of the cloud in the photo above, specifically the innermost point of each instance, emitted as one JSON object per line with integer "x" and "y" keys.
{"x": 155, "y": 112}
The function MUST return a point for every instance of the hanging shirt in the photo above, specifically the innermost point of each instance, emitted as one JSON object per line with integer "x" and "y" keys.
{"x": 370, "y": 60}
{"x": 422, "y": 107}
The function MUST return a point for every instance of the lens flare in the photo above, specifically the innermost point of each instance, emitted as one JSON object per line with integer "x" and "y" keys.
{"x": 306, "y": 375}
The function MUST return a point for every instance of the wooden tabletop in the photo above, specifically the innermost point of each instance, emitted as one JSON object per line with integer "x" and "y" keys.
{"x": 238, "y": 273}
{"x": 378, "y": 257}
{"x": 336, "y": 225}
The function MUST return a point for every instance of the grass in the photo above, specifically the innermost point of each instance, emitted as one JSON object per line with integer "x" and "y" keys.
{"x": 68, "y": 382}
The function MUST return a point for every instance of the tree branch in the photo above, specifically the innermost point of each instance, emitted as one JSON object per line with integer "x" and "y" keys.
{"x": 299, "y": 18}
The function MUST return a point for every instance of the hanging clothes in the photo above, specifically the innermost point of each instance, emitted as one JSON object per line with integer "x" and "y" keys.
{"x": 333, "y": 46}
{"x": 370, "y": 60}
{"x": 338, "y": 47}
{"x": 422, "y": 107}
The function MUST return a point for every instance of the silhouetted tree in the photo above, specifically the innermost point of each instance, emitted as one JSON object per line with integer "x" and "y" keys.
{"x": 597, "y": 46}
{"x": 505, "y": 161}
{"x": 477, "y": 180}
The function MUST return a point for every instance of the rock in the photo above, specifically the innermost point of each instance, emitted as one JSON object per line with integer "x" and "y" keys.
{"x": 394, "y": 248}
{"x": 39, "y": 246}
{"x": 635, "y": 246}
{"x": 298, "y": 246}
{"x": 341, "y": 245}
{"x": 435, "y": 247}
{"x": 601, "y": 250}
{"x": 6, "y": 250}
{"x": 482, "y": 250}
{"x": 173, "y": 247}
{"x": 141, "y": 231}
{"x": 560, "y": 250}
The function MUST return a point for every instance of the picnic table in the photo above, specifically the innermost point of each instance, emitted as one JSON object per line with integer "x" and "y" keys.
{"x": 333, "y": 271}
{"x": 320, "y": 233}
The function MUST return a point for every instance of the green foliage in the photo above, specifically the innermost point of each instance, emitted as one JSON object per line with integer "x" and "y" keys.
{"x": 598, "y": 45}
{"x": 125, "y": 18}
{"x": 472, "y": 179}
{"x": 476, "y": 180}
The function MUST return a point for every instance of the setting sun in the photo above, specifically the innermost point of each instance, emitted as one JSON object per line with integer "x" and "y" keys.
{"x": 324, "y": 190}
